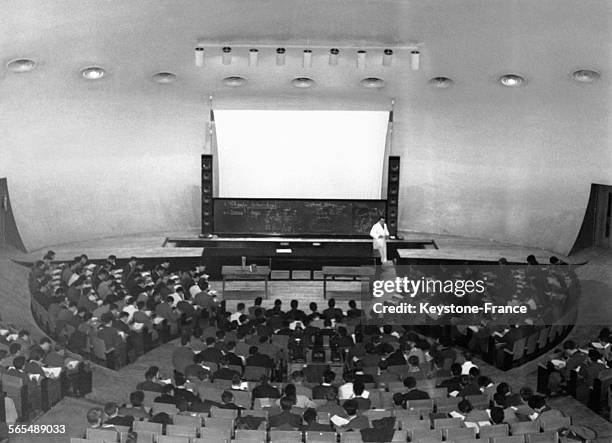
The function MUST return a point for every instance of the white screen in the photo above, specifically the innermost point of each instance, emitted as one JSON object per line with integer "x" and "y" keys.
{"x": 301, "y": 154}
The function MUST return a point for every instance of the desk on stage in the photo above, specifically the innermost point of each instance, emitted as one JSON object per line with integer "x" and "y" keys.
{"x": 291, "y": 253}
{"x": 238, "y": 273}
{"x": 353, "y": 272}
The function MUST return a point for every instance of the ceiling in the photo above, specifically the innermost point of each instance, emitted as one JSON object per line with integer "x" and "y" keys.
{"x": 471, "y": 41}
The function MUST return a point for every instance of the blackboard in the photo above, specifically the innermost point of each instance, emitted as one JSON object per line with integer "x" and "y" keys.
{"x": 296, "y": 217}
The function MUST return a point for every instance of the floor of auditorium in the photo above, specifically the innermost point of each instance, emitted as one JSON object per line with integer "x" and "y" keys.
{"x": 595, "y": 310}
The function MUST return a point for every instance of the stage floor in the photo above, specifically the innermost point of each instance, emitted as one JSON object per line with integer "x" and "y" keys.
{"x": 155, "y": 246}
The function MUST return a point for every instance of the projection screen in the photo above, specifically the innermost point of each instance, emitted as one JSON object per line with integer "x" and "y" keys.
{"x": 300, "y": 154}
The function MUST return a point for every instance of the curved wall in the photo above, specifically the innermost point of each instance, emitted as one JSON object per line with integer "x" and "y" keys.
{"x": 490, "y": 165}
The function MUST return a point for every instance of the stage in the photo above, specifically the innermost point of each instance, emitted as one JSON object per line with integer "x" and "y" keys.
{"x": 186, "y": 245}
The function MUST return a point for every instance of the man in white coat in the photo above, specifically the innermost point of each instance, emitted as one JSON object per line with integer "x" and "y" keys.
{"x": 380, "y": 234}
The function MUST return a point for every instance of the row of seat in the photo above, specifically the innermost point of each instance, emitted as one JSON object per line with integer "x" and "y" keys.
{"x": 280, "y": 436}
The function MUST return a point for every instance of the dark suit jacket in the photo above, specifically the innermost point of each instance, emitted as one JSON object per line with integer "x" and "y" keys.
{"x": 110, "y": 336}
{"x": 416, "y": 394}
{"x": 120, "y": 420}
{"x": 224, "y": 374}
{"x": 265, "y": 391}
{"x": 285, "y": 418}
{"x": 211, "y": 354}
{"x": 148, "y": 385}
{"x": 319, "y": 391}
{"x": 395, "y": 359}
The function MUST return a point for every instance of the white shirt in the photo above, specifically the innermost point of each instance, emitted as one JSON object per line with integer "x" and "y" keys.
{"x": 466, "y": 366}
{"x": 345, "y": 391}
{"x": 377, "y": 231}
{"x": 236, "y": 316}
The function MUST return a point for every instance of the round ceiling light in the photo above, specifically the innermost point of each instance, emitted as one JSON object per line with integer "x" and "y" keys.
{"x": 441, "y": 82}
{"x": 586, "y": 76}
{"x": 164, "y": 78}
{"x": 21, "y": 65}
{"x": 302, "y": 82}
{"x": 234, "y": 81}
{"x": 511, "y": 80}
{"x": 372, "y": 83}
{"x": 93, "y": 73}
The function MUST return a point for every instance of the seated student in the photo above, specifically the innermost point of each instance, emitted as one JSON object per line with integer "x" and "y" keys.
{"x": 542, "y": 411}
{"x": 319, "y": 391}
{"x": 184, "y": 408}
{"x": 497, "y": 415}
{"x": 469, "y": 386}
{"x": 196, "y": 370}
{"x": 232, "y": 358}
{"x": 264, "y": 389}
{"x": 224, "y": 372}
{"x": 360, "y": 396}
{"x": 180, "y": 390}
{"x": 257, "y": 359}
{"x": 211, "y": 353}
{"x": 300, "y": 401}
{"x": 16, "y": 369}
{"x": 371, "y": 358}
{"x": 111, "y": 410}
{"x": 413, "y": 393}
{"x": 136, "y": 409}
{"x": 487, "y": 387}
{"x": 471, "y": 415}
{"x": 414, "y": 369}
{"x": 295, "y": 314}
{"x": 398, "y": 401}
{"x": 286, "y": 418}
{"x": 238, "y": 384}
{"x": 509, "y": 414}
{"x": 454, "y": 383}
{"x": 523, "y": 410}
{"x": 150, "y": 383}
{"x": 166, "y": 395}
{"x": 256, "y": 305}
{"x": 311, "y": 424}
{"x": 345, "y": 390}
{"x": 353, "y": 312}
{"x": 35, "y": 365}
{"x": 507, "y": 398}
{"x": 353, "y": 420}
{"x": 467, "y": 364}
{"x": 332, "y": 312}
{"x": 228, "y": 402}
{"x": 360, "y": 375}
{"x": 95, "y": 418}
{"x": 331, "y": 405}
{"x": 298, "y": 380}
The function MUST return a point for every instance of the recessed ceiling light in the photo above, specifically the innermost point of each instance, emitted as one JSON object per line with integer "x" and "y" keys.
{"x": 164, "y": 77}
{"x": 511, "y": 80}
{"x": 21, "y": 65}
{"x": 372, "y": 83}
{"x": 586, "y": 76}
{"x": 441, "y": 82}
{"x": 302, "y": 82}
{"x": 234, "y": 81}
{"x": 93, "y": 73}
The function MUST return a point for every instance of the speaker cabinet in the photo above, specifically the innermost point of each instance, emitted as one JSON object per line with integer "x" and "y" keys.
{"x": 207, "y": 194}
{"x": 393, "y": 185}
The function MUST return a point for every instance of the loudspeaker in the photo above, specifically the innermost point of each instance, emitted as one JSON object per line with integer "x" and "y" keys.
{"x": 393, "y": 184}
{"x": 207, "y": 194}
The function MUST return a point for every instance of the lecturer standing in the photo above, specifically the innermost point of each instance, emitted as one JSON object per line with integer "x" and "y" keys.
{"x": 380, "y": 234}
